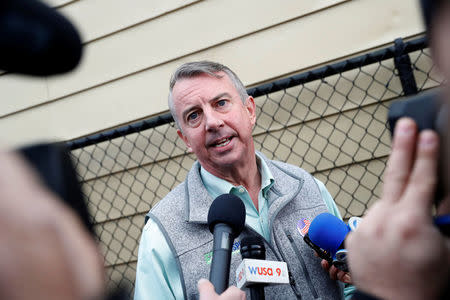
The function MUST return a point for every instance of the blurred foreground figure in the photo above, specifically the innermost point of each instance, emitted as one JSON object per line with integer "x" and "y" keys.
{"x": 45, "y": 251}
{"x": 397, "y": 238}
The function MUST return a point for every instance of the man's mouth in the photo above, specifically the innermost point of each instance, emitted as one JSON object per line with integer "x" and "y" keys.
{"x": 222, "y": 142}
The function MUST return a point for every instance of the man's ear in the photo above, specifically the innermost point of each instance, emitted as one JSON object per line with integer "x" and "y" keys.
{"x": 185, "y": 140}
{"x": 251, "y": 109}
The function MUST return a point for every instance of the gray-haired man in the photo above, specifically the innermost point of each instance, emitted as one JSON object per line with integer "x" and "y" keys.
{"x": 215, "y": 118}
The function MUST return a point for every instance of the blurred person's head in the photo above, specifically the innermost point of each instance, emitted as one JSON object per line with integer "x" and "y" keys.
{"x": 437, "y": 20}
{"x": 436, "y": 15}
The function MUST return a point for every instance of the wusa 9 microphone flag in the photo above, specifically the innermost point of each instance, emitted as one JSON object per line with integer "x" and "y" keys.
{"x": 252, "y": 271}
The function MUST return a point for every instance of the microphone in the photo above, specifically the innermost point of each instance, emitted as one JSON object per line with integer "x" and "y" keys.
{"x": 253, "y": 247}
{"x": 255, "y": 272}
{"x": 226, "y": 220}
{"x": 36, "y": 40}
{"x": 326, "y": 235}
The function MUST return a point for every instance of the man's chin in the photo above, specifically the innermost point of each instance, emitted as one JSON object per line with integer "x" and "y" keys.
{"x": 225, "y": 160}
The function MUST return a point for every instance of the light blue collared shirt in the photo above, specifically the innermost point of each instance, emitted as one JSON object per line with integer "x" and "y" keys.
{"x": 157, "y": 273}
{"x": 257, "y": 220}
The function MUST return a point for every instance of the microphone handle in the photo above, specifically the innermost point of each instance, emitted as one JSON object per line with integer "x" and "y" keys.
{"x": 257, "y": 292}
{"x": 220, "y": 265}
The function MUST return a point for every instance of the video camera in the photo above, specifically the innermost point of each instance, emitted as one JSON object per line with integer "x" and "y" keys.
{"x": 429, "y": 112}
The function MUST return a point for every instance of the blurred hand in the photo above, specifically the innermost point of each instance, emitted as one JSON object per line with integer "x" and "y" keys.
{"x": 207, "y": 292}
{"x": 397, "y": 252}
{"x": 335, "y": 273}
{"x": 45, "y": 253}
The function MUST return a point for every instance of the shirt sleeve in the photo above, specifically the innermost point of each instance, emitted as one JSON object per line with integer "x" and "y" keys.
{"x": 157, "y": 272}
{"x": 349, "y": 290}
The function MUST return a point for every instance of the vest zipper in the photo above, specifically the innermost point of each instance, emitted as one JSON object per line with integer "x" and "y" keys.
{"x": 294, "y": 288}
{"x": 302, "y": 262}
{"x": 291, "y": 278}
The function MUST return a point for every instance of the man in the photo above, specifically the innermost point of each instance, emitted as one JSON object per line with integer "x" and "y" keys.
{"x": 215, "y": 119}
{"x": 397, "y": 238}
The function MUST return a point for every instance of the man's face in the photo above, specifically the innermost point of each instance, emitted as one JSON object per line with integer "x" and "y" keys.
{"x": 215, "y": 124}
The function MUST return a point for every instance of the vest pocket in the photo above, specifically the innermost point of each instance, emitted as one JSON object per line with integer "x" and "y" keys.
{"x": 303, "y": 265}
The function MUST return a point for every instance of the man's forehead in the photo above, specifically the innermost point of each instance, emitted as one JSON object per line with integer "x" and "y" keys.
{"x": 190, "y": 85}
{"x": 216, "y": 75}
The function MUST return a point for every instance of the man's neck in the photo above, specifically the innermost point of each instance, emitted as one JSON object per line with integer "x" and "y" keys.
{"x": 246, "y": 175}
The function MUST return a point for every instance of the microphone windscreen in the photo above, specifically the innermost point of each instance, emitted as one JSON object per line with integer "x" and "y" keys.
{"x": 227, "y": 209}
{"x": 328, "y": 232}
{"x": 36, "y": 40}
{"x": 252, "y": 246}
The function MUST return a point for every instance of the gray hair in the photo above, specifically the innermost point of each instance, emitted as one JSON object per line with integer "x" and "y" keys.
{"x": 194, "y": 69}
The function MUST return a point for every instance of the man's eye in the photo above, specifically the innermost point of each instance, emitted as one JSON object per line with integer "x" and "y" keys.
{"x": 192, "y": 116}
{"x": 221, "y": 102}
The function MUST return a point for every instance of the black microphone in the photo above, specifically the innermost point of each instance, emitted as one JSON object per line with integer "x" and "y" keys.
{"x": 36, "y": 40}
{"x": 226, "y": 220}
{"x": 253, "y": 247}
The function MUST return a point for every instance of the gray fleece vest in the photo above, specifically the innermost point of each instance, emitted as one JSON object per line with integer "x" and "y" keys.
{"x": 182, "y": 217}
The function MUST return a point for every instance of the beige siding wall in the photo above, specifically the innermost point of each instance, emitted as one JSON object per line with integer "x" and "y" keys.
{"x": 132, "y": 47}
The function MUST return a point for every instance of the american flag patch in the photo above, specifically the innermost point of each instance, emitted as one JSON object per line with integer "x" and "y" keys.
{"x": 303, "y": 226}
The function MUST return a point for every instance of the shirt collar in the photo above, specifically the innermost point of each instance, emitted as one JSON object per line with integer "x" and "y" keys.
{"x": 217, "y": 186}
{"x": 267, "y": 179}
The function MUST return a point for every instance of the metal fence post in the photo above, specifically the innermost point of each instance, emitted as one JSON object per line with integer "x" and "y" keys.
{"x": 403, "y": 65}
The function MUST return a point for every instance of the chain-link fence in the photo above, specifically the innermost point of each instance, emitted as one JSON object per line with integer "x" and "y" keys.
{"x": 331, "y": 121}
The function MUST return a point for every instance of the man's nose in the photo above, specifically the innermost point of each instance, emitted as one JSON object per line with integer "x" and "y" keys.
{"x": 213, "y": 121}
